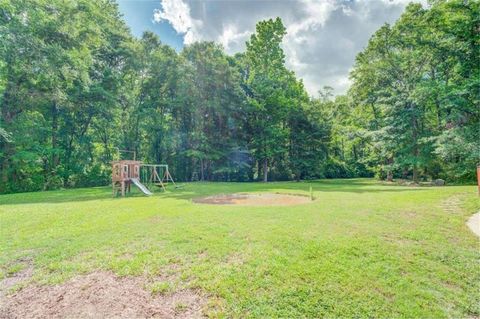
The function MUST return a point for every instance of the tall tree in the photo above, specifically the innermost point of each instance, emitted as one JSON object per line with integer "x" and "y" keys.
{"x": 268, "y": 87}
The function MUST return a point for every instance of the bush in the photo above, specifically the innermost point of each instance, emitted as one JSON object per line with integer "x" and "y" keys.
{"x": 337, "y": 169}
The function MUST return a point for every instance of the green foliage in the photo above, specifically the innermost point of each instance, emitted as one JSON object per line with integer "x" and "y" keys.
{"x": 75, "y": 86}
{"x": 61, "y": 64}
{"x": 417, "y": 82}
{"x": 269, "y": 85}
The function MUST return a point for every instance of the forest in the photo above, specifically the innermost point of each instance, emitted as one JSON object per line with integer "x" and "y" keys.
{"x": 76, "y": 86}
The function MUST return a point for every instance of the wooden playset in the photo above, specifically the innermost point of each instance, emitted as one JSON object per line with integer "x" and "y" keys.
{"x": 128, "y": 172}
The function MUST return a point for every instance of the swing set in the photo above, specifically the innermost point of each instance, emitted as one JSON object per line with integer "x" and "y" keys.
{"x": 156, "y": 175}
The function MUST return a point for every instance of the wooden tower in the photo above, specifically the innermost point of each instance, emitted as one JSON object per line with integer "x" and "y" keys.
{"x": 122, "y": 174}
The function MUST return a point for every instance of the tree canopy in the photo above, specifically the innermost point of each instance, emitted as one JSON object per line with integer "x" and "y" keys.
{"x": 76, "y": 86}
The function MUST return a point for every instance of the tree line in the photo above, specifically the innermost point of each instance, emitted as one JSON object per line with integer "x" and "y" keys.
{"x": 76, "y": 86}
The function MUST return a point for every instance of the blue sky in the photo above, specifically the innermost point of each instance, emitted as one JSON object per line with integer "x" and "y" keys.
{"x": 323, "y": 36}
{"x": 138, "y": 15}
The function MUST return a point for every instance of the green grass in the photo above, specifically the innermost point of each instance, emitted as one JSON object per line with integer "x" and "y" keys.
{"x": 361, "y": 249}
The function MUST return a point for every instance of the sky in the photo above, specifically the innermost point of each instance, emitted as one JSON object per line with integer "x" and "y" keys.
{"x": 323, "y": 36}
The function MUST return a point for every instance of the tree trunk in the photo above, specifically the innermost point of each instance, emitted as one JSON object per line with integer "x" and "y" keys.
{"x": 342, "y": 150}
{"x": 202, "y": 176}
{"x": 7, "y": 153}
{"x": 8, "y": 116}
{"x": 55, "y": 157}
{"x": 415, "y": 150}
{"x": 389, "y": 175}
{"x": 389, "y": 171}
{"x": 265, "y": 170}
{"x": 415, "y": 173}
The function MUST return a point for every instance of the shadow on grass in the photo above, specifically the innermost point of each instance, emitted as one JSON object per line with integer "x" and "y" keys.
{"x": 196, "y": 189}
{"x": 60, "y": 196}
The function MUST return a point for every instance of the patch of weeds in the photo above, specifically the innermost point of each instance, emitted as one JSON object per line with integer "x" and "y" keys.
{"x": 180, "y": 307}
{"x": 161, "y": 288}
{"x": 13, "y": 269}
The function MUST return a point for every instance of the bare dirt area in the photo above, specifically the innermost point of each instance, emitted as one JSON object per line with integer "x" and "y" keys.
{"x": 264, "y": 199}
{"x": 474, "y": 223}
{"x": 19, "y": 278}
{"x": 101, "y": 295}
{"x": 451, "y": 204}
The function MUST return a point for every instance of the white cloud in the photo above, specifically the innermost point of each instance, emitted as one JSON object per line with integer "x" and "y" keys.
{"x": 323, "y": 36}
{"x": 177, "y": 13}
{"x": 231, "y": 37}
{"x": 316, "y": 14}
{"x": 401, "y": 2}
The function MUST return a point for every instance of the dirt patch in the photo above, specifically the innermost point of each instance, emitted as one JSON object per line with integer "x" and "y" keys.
{"x": 20, "y": 277}
{"x": 451, "y": 205}
{"x": 101, "y": 295}
{"x": 235, "y": 260}
{"x": 265, "y": 199}
{"x": 474, "y": 224}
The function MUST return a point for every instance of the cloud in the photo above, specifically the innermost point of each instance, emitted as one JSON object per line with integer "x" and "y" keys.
{"x": 177, "y": 13}
{"x": 316, "y": 14}
{"x": 231, "y": 37}
{"x": 323, "y": 36}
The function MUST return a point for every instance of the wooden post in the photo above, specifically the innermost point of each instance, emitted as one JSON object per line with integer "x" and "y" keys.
{"x": 265, "y": 170}
{"x": 170, "y": 177}
{"x": 160, "y": 180}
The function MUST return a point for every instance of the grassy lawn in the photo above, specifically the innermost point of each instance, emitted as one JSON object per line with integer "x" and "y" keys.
{"x": 361, "y": 249}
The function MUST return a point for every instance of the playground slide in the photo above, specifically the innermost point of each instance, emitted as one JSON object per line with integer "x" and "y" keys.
{"x": 141, "y": 187}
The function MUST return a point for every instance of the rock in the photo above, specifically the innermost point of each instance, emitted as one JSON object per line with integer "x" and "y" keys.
{"x": 439, "y": 182}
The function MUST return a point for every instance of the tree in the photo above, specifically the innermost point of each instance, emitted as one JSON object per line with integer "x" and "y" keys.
{"x": 75, "y": 86}
{"x": 59, "y": 73}
{"x": 416, "y": 79}
{"x": 268, "y": 81}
